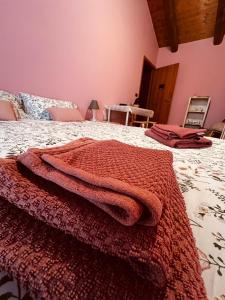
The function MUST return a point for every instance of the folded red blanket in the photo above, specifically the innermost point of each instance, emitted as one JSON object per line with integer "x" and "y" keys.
{"x": 181, "y": 142}
{"x": 177, "y": 132}
{"x": 52, "y": 265}
{"x": 112, "y": 175}
{"x": 165, "y": 255}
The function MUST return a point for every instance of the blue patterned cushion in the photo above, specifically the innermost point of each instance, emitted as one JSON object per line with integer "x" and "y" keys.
{"x": 36, "y": 106}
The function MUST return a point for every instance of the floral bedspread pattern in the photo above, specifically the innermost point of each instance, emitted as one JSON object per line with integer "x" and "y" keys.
{"x": 200, "y": 173}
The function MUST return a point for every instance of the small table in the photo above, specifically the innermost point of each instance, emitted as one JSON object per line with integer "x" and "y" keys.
{"x": 129, "y": 109}
{"x": 117, "y": 107}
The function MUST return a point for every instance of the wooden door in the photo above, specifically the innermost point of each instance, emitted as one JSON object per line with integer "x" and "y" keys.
{"x": 163, "y": 82}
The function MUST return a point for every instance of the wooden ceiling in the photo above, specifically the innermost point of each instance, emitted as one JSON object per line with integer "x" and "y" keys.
{"x": 182, "y": 21}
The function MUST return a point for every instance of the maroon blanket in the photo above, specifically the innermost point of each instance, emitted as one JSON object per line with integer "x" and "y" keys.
{"x": 164, "y": 255}
{"x": 112, "y": 175}
{"x": 181, "y": 143}
{"x": 52, "y": 265}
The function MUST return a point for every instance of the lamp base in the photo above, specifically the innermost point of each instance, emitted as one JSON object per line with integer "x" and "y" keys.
{"x": 94, "y": 115}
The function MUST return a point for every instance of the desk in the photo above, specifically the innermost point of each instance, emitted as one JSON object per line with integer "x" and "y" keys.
{"x": 129, "y": 109}
{"x": 116, "y": 107}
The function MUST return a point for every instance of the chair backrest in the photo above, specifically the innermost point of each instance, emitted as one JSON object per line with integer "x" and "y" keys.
{"x": 223, "y": 133}
{"x": 142, "y": 112}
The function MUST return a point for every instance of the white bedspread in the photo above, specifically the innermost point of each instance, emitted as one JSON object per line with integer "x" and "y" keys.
{"x": 200, "y": 173}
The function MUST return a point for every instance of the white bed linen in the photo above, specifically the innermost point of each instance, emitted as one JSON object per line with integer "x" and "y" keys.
{"x": 200, "y": 174}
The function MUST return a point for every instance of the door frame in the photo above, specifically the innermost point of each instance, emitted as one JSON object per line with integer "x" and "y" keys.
{"x": 153, "y": 67}
{"x": 146, "y": 59}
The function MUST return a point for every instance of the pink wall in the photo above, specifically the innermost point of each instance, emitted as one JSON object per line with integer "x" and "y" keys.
{"x": 201, "y": 72}
{"x": 75, "y": 49}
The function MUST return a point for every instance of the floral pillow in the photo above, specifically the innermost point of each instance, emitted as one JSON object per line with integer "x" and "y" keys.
{"x": 37, "y": 106}
{"x": 23, "y": 115}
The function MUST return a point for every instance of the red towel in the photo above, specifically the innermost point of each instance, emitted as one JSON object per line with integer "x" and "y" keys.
{"x": 54, "y": 265}
{"x": 112, "y": 175}
{"x": 174, "y": 131}
{"x": 181, "y": 143}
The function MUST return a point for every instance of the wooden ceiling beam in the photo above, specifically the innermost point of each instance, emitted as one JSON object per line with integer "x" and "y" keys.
{"x": 220, "y": 23}
{"x": 170, "y": 15}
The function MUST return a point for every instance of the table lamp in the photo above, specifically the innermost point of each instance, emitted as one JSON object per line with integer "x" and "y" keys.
{"x": 93, "y": 106}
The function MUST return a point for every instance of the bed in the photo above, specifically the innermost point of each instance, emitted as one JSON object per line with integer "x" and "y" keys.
{"x": 200, "y": 174}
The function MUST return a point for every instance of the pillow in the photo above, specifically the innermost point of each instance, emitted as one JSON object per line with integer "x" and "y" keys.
{"x": 65, "y": 114}
{"x": 37, "y": 106}
{"x": 23, "y": 115}
{"x": 6, "y": 96}
{"x": 6, "y": 111}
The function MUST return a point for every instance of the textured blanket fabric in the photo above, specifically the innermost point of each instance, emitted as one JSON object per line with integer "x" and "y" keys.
{"x": 52, "y": 265}
{"x": 112, "y": 175}
{"x": 164, "y": 255}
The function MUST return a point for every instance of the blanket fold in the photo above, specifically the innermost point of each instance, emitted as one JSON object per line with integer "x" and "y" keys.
{"x": 178, "y": 137}
{"x": 111, "y": 175}
{"x": 164, "y": 256}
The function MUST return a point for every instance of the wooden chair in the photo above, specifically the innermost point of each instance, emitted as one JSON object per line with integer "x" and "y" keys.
{"x": 217, "y": 130}
{"x": 136, "y": 111}
{"x": 223, "y": 133}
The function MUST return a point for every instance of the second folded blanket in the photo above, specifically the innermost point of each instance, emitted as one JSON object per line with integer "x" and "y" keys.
{"x": 178, "y": 137}
{"x": 112, "y": 175}
{"x": 176, "y": 132}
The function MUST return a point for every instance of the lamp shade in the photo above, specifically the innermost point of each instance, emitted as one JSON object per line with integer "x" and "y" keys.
{"x": 93, "y": 104}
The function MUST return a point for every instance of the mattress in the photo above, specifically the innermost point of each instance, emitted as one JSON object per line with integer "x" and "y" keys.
{"x": 200, "y": 174}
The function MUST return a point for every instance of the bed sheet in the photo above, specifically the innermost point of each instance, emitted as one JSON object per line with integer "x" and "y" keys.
{"x": 200, "y": 174}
